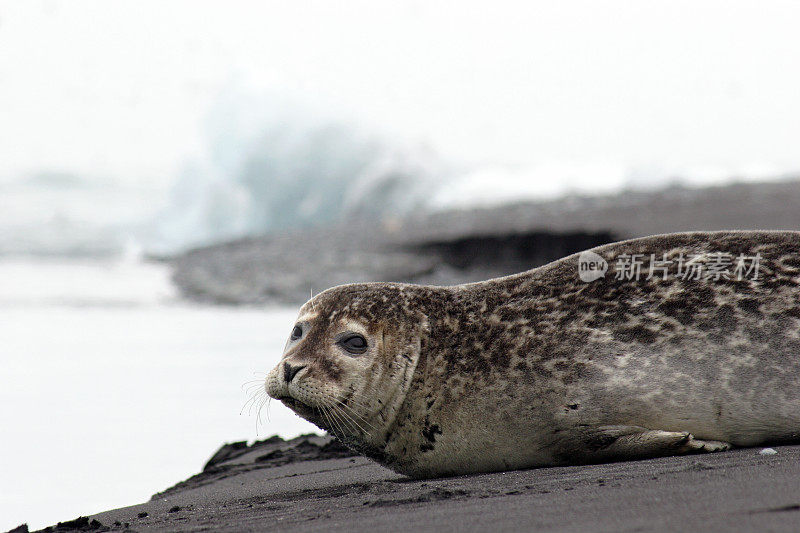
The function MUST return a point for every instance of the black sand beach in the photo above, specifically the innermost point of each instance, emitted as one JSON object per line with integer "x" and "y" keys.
{"x": 739, "y": 490}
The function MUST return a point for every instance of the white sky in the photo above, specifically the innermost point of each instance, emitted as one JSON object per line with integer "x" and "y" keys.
{"x": 119, "y": 90}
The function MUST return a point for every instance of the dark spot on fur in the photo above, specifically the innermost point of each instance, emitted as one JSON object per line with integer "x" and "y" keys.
{"x": 573, "y": 405}
{"x": 562, "y": 366}
{"x": 749, "y": 305}
{"x": 793, "y": 312}
{"x": 725, "y": 318}
{"x": 501, "y": 350}
{"x": 636, "y": 334}
{"x": 541, "y": 371}
{"x": 792, "y": 261}
{"x": 667, "y": 326}
{"x": 675, "y": 308}
{"x": 430, "y": 431}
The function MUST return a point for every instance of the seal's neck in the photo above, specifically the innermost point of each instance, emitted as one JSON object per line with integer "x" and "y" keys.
{"x": 401, "y": 434}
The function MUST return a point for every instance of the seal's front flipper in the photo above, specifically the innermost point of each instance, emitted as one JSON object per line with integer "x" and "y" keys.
{"x": 706, "y": 446}
{"x": 615, "y": 443}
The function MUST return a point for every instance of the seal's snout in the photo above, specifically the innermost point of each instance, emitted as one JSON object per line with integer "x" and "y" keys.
{"x": 289, "y": 371}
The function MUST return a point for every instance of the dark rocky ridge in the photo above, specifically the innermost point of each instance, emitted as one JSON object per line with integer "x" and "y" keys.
{"x": 238, "y": 457}
{"x": 469, "y": 245}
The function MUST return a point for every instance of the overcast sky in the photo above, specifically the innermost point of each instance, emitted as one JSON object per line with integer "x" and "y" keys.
{"x": 121, "y": 90}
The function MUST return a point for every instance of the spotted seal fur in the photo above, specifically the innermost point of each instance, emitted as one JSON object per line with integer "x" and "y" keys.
{"x": 542, "y": 368}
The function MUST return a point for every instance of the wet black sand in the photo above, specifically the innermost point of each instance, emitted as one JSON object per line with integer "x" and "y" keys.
{"x": 739, "y": 490}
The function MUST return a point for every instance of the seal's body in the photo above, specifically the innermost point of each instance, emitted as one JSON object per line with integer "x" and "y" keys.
{"x": 667, "y": 353}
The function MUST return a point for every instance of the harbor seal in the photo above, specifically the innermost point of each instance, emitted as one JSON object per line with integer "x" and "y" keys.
{"x": 658, "y": 351}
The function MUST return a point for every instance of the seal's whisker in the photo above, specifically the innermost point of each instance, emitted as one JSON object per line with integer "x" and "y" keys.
{"x": 354, "y": 414}
{"x": 255, "y": 389}
{"x": 324, "y": 418}
{"x": 352, "y": 422}
{"x": 355, "y": 403}
{"x": 258, "y": 411}
{"x": 327, "y": 418}
{"x": 351, "y": 408}
{"x": 251, "y": 401}
{"x": 337, "y": 423}
{"x": 269, "y": 404}
{"x": 264, "y": 402}
{"x": 257, "y": 401}
{"x": 355, "y": 421}
{"x": 260, "y": 404}
{"x": 335, "y": 428}
{"x": 245, "y": 405}
{"x": 253, "y": 382}
{"x": 260, "y": 394}
{"x": 344, "y": 423}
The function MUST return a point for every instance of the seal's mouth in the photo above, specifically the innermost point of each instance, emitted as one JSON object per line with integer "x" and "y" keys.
{"x": 297, "y": 406}
{"x": 290, "y": 402}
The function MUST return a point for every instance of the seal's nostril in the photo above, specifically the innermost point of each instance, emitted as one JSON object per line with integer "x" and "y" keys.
{"x": 290, "y": 371}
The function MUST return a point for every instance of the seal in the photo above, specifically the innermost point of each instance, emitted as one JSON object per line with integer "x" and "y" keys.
{"x": 678, "y": 343}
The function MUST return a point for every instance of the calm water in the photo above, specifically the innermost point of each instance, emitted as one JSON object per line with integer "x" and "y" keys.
{"x": 113, "y": 389}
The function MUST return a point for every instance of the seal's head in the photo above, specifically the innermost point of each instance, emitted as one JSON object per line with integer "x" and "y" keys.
{"x": 349, "y": 360}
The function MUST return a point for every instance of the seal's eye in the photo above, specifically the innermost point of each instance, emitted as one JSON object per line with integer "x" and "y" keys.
{"x": 297, "y": 332}
{"x": 355, "y": 344}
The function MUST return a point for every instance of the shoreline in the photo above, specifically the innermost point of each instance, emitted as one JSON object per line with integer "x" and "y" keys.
{"x": 463, "y": 246}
